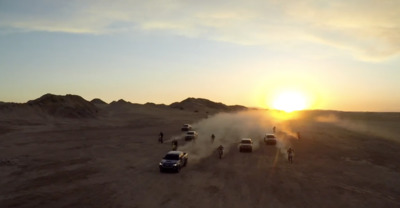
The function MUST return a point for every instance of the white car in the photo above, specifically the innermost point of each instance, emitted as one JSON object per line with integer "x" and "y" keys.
{"x": 246, "y": 145}
{"x": 191, "y": 135}
{"x": 186, "y": 127}
{"x": 270, "y": 139}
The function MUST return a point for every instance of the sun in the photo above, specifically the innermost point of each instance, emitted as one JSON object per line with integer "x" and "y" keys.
{"x": 290, "y": 101}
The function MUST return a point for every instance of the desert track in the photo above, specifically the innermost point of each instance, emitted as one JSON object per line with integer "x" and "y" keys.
{"x": 104, "y": 163}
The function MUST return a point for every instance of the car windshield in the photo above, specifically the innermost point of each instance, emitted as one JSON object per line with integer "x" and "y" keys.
{"x": 171, "y": 157}
{"x": 191, "y": 133}
{"x": 246, "y": 142}
{"x": 270, "y": 136}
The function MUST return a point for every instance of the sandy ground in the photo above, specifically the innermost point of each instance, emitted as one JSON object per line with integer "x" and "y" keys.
{"x": 113, "y": 161}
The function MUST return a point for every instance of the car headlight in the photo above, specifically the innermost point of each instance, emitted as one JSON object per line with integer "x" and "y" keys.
{"x": 175, "y": 164}
{"x": 160, "y": 163}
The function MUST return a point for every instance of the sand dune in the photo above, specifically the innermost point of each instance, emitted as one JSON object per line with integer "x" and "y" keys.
{"x": 111, "y": 160}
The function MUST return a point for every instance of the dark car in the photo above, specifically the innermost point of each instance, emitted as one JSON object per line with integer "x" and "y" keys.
{"x": 246, "y": 145}
{"x": 173, "y": 161}
{"x": 270, "y": 139}
{"x": 186, "y": 127}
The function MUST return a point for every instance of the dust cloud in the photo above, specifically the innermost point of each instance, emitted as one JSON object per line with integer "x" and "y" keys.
{"x": 230, "y": 128}
{"x": 370, "y": 127}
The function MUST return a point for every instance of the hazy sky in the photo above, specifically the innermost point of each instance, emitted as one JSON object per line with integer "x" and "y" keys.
{"x": 343, "y": 54}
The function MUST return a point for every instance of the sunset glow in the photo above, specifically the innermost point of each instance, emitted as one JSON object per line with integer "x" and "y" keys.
{"x": 290, "y": 101}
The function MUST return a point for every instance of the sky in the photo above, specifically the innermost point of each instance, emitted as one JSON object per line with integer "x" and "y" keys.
{"x": 340, "y": 55}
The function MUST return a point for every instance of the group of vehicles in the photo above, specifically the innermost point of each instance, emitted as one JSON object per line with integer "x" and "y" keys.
{"x": 174, "y": 160}
{"x": 190, "y": 133}
{"x": 246, "y": 144}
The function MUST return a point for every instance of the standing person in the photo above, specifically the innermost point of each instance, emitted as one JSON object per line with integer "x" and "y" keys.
{"x": 161, "y": 137}
{"x": 274, "y": 129}
{"x": 212, "y": 138}
{"x": 220, "y": 151}
{"x": 290, "y": 152}
{"x": 174, "y": 144}
{"x": 298, "y": 135}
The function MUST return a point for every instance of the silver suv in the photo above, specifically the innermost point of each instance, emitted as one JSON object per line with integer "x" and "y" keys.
{"x": 270, "y": 139}
{"x": 186, "y": 127}
{"x": 246, "y": 145}
{"x": 191, "y": 135}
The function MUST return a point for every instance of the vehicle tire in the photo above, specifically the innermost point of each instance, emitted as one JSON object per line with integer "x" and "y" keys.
{"x": 178, "y": 169}
{"x": 185, "y": 163}
{"x": 161, "y": 170}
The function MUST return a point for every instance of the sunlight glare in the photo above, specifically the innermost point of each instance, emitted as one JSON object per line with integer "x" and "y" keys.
{"x": 290, "y": 101}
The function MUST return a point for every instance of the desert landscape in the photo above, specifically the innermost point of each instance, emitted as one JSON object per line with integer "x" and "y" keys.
{"x": 64, "y": 151}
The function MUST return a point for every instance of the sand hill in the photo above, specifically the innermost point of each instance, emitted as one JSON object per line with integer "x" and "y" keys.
{"x": 69, "y": 106}
{"x": 204, "y": 105}
{"x": 47, "y": 107}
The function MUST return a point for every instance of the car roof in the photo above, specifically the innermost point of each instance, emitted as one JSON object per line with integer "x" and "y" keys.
{"x": 244, "y": 139}
{"x": 174, "y": 152}
{"x": 191, "y": 131}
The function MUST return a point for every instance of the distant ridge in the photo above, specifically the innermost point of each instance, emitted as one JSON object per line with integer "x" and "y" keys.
{"x": 69, "y": 106}
{"x": 121, "y": 103}
{"x": 74, "y": 106}
{"x": 98, "y": 101}
{"x": 201, "y": 104}
{"x": 155, "y": 105}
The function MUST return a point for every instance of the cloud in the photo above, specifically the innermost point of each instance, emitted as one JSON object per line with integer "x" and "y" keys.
{"x": 368, "y": 30}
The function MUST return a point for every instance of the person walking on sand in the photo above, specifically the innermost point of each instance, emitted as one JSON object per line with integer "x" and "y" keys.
{"x": 161, "y": 137}
{"x": 274, "y": 129}
{"x": 212, "y": 138}
{"x": 290, "y": 152}
{"x": 220, "y": 150}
